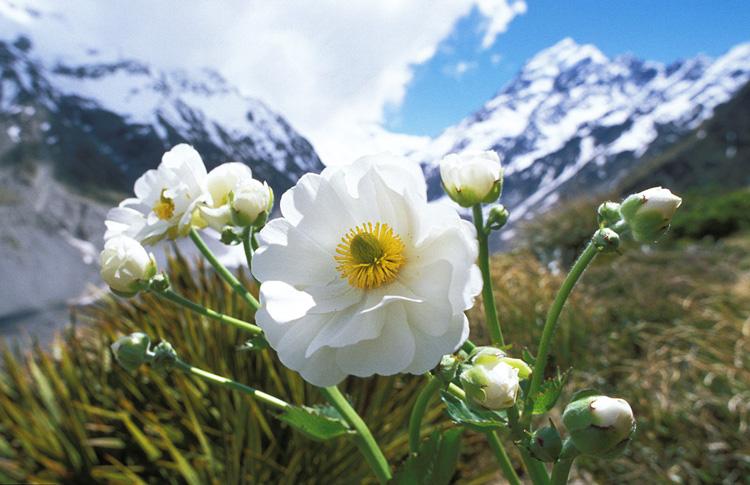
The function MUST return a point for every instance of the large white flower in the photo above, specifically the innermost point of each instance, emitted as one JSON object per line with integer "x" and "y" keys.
{"x": 165, "y": 199}
{"x": 362, "y": 276}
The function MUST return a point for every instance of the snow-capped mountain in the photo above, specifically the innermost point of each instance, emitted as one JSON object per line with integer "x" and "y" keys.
{"x": 106, "y": 122}
{"x": 573, "y": 120}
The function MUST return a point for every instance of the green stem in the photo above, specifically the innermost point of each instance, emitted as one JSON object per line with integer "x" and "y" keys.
{"x": 561, "y": 469}
{"x": 364, "y": 439}
{"x": 261, "y": 396}
{"x": 495, "y": 444}
{"x": 225, "y": 274}
{"x": 490, "y": 310}
{"x": 247, "y": 235}
{"x": 417, "y": 412}
{"x": 502, "y": 458}
{"x": 550, "y": 325}
{"x": 536, "y": 469}
{"x": 170, "y": 295}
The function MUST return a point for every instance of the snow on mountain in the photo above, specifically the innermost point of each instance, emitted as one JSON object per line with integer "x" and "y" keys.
{"x": 575, "y": 120}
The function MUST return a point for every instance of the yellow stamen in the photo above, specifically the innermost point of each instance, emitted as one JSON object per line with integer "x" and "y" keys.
{"x": 164, "y": 209}
{"x": 370, "y": 255}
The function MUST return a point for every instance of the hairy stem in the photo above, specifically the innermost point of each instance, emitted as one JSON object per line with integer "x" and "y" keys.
{"x": 550, "y": 325}
{"x": 364, "y": 439}
{"x": 225, "y": 274}
{"x": 261, "y": 396}
{"x": 170, "y": 295}
{"x": 488, "y": 298}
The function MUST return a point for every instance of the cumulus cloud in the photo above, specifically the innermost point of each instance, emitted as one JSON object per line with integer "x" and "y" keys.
{"x": 328, "y": 66}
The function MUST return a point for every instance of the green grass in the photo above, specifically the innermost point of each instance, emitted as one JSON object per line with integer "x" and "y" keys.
{"x": 666, "y": 329}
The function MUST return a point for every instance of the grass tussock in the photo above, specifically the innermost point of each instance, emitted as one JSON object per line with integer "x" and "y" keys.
{"x": 667, "y": 329}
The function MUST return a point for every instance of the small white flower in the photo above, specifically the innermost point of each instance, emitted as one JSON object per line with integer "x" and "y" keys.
{"x": 221, "y": 182}
{"x": 165, "y": 199}
{"x": 362, "y": 276}
{"x": 472, "y": 178}
{"x": 251, "y": 202}
{"x": 607, "y": 412}
{"x": 492, "y": 385}
{"x": 125, "y": 265}
{"x": 649, "y": 213}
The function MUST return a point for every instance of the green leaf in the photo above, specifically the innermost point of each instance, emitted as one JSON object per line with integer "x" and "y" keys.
{"x": 256, "y": 343}
{"x": 478, "y": 419}
{"x": 319, "y": 423}
{"x": 549, "y": 392}
{"x": 435, "y": 463}
{"x": 528, "y": 358}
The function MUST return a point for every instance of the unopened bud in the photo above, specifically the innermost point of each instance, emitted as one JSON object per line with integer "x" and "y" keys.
{"x": 131, "y": 351}
{"x": 649, "y": 213}
{"x": 164, "y": 357}
{"x": 251, "y": 203}
{"x": 497, "y": 217}
{"x": 608, "y": 214}
{"x": 599, "y": 425}
{"x": 546, "y": 444}
{"x": 126, "y": 266}
{"x": 472, "y": 178}
{"x": 606, "y": 240}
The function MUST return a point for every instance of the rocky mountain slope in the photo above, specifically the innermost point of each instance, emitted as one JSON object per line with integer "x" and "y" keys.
{"x": 574, "y": 120}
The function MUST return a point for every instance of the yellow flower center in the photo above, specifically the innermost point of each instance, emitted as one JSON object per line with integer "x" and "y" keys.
{"x": 164, "y": 209}
{"x": 370, "y": 255}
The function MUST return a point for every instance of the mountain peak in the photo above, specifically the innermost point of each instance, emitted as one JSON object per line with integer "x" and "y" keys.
{"x": 563, "y": 55}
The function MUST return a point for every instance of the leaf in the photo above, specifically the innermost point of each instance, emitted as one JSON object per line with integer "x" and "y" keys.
{"x": 258, "y": 342}
{"x": 478, "y": 419}
{"x": 549, "y": 393}
{"x": 528, "y": 358}
{"x": 319, "y": 423}
{"x": 435, "y": 463}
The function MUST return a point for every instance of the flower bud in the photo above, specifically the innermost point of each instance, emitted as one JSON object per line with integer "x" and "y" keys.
{"x": 497, "y": 217}
{"x": 606, "y": 240}
{"x": 251, "y": 203}
{"x": 490, "y": 381}
{"x": 608, "y": 214}
{"x": 132, "y": 350}
{"x": 546, "y": 444}
{"x": 472, "y": 178}
{"x": 164, "y": 357}
{"x": 599, "y": 425}
{"x": 489, "y": 356}
{"x": 649, "y": 213}
{"x": 126, "y": 266}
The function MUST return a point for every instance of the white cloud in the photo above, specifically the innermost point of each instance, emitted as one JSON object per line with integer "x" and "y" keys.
{"x": 458, "y": 69}
{"x": 328, "y": 66}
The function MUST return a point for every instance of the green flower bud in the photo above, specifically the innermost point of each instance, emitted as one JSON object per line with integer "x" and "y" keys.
{"x": 448, "y": 368}
{"x": 649, "y": 213}
{"x": 606, "y": 240}
{"x": 131, "y": 351}
{"x": 472, "y": 178}
{"x": 159, "y": 282}
{"x": 546, "y": 444}
{"x": 608, "y": 214}
{"x": 164, "y": 357}
{"x": 599, "y": 425}
{"x": 497, "y": 217}
{"x": 229, "y": 237}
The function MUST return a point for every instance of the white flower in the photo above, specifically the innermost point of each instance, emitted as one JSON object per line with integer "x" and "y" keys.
{"x": 251, "y": 202}
{"x": 221, "y": 182}
{"x": 649, "y": 213}
{"x": 492, "y": 385}
{"x": 362, "y": 276}
{"x": 125, "y": 265}
{"x": 165, "y": 199}
{"x": 472, "y": 178}
{"x": 607, "y": 412}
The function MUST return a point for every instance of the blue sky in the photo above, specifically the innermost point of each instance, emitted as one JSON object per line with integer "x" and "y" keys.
{"x": 663, "y": 30}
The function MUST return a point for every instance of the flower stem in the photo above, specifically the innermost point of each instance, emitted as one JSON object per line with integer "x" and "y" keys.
{"x": 550, "y": 325}
{"x": 247, "y": 235}
{"x": 225, "y": 274}
{"x": 364, "y": 439}
{"x": 561, "y": 469}
{"x": 490, "y": 310}
{"x": 261, "y": 396}
{"x": 502, "y": 458}
{"x": 417, "y": 412}
{"x": 536, "y": 469}
{"x": 170, "y": 295}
